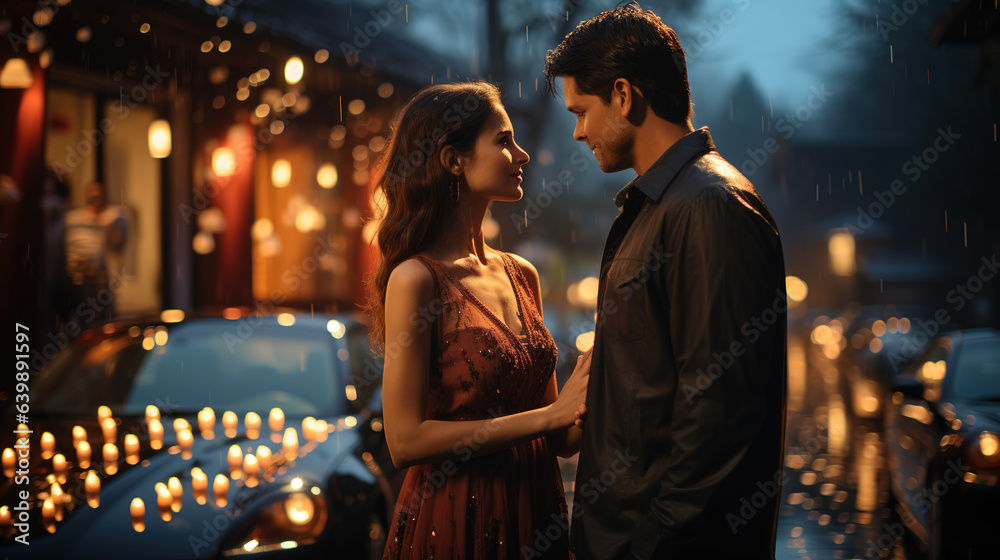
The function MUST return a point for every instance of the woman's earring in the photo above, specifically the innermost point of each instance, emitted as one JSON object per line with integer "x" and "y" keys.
{"x": 455, "y": 190}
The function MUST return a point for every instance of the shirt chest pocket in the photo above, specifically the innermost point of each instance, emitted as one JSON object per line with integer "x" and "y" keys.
{"x": 625, "y": 310}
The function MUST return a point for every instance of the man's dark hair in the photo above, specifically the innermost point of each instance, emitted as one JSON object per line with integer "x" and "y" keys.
{"x": 631, "y": 43}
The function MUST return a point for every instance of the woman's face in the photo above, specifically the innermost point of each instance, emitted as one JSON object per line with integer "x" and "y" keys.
{"x": 494, "y": 169}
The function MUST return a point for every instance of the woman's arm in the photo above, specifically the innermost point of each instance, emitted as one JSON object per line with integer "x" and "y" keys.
{"x": 566, "y": 442}
{"x": 412, "y": 439}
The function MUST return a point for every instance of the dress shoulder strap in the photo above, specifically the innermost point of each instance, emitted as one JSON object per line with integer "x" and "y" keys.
{"x": 432, "y": 266}
{"x": 440, "y": 294}
{"x": 521, "y": 288}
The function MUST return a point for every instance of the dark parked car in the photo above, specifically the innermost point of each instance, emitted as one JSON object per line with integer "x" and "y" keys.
{"x": 943, "y": 446}
{"x": 879, "y": 344}
{"x": 287, "y": 460}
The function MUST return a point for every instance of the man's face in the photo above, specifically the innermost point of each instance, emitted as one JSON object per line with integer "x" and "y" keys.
{"x": 95, "y": 196}
{"x": 601, "y": 126}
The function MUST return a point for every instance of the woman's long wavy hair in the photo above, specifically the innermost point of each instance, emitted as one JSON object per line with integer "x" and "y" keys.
{"x": 418, "y": 190}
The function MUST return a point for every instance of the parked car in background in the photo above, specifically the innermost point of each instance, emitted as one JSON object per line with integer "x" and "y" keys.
{"x": 879, "y": 343}
{"x": 205, "y": 437}
{"x": 943, "y": 446}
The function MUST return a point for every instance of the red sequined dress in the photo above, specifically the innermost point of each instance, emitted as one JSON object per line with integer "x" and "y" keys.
{"x": 508, "y": 504}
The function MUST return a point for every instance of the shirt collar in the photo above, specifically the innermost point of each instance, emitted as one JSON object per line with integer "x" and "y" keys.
{"x": 655, "y": 180}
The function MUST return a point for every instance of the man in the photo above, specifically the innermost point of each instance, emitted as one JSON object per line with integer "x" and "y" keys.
{"x": 682, "y": 448}
{"x": 93, "y": 233}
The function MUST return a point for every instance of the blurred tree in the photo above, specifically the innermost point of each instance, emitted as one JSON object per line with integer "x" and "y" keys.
{"x": 972, "y": 22}
{"x": 745, "y": 125}
{"x": 899, "y": 88}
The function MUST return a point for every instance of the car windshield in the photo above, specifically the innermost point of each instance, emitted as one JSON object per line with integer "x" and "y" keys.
{"x": 195, "y": 365}
{"x": 977, "y": 372}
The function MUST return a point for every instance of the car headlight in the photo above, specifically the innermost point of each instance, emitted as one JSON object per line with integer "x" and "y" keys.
{"x": 300, "y": 510}
{"x": 989, "y": 446}
{"x": 985, "y": 452}
{"x": 294, "y": 519}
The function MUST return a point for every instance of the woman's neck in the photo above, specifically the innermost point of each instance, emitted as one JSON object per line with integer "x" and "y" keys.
{"x": 462, "y": 237}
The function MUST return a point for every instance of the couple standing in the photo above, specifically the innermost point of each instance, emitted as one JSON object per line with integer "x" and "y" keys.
{"x": 677, "y": 412}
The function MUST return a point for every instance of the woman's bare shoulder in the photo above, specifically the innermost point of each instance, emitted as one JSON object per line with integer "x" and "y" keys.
{"x": 529, "y": 270}
{"x": 411, "y": 277}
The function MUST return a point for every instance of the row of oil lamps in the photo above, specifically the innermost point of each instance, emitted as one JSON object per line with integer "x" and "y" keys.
{"x": 249, "y": 467}
{"x": 169, "y": 495}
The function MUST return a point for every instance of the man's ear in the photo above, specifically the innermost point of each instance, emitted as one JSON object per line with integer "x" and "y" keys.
{"x": 450, "y": 160}
{"x": 625, "y": 97}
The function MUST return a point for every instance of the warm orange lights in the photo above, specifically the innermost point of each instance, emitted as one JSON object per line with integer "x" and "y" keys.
{"x": 223, "y": 162}
{"x": 326, "y": 176}
{"x": 160, "y": 140}
{"x": 16, "y": 74}
{"x": 294, "y": 70}
{"x": 281, "y": 173}
{"x": 842, "y": 254}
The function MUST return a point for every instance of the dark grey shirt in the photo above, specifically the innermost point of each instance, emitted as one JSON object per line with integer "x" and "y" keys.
{"x": 682, "y": 449}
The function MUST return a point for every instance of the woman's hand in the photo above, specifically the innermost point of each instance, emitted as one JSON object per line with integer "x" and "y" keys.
{"x": 570, "y": 408}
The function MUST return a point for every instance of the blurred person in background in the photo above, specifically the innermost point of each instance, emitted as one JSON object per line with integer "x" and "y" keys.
{"x": 93, "y": 234}
{"x": 55, "y": 205}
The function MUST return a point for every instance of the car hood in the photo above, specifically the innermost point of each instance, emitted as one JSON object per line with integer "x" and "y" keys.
{"x": 196, "y": 531}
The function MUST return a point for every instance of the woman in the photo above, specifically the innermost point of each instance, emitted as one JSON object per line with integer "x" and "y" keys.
{"x": 469, "y": 389}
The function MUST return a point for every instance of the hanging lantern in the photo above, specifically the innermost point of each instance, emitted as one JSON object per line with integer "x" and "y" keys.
{"x": 223, "y": 162}
{"x": 281, "y": 173}
{"x": 160, "y": 142}
{"x": 16, "y": 74}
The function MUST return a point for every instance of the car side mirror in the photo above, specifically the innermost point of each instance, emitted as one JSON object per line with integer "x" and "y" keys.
{"x": 908, "y": 386}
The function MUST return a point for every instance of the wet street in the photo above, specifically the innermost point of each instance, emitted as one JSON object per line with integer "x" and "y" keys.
{"x": 834, "y": 503}
{"x": 835, "y": 493}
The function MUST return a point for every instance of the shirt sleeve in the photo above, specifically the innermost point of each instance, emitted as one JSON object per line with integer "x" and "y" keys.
{"x": 720, "y": 277}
